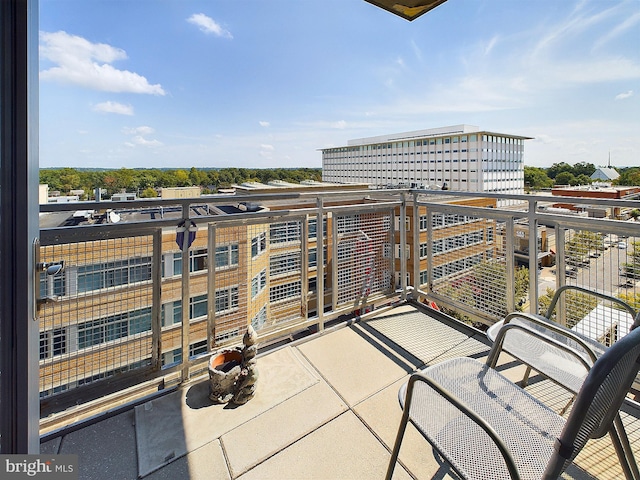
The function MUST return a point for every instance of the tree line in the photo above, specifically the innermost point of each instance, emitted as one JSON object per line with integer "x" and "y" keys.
{"x": 146, "y": 181}
{"x": 537, "y": 178}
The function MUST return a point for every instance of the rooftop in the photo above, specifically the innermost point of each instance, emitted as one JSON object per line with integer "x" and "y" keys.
{"x": 326, "y": 407}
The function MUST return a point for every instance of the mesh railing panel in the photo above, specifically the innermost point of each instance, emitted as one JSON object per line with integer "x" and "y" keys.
{"x": 363, "y": 257}
{"x": 98, "y": 317}
{"x": 605, "y": 263}
{"x": 469, "y": 261}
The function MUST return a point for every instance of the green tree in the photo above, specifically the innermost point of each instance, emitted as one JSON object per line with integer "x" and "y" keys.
{"x": 491, "y": 281}
{"x": 182, "y": 178}
{"x": 536, "y": 178}
{"x": 583, "y": 179}
{"x": 565, "y": 178}
{"x": 631, "y": 298}
{"x": 557, "y": 168}
{"x": 632, "y": 269}
{"x": 628, "y": 177}
{"x": 198, "y": 177}
{"x": 583, "y": 168}
{"x": 149, "y": 193}
{"x": 581, "y": 244}
{"x": 577, "y": 305}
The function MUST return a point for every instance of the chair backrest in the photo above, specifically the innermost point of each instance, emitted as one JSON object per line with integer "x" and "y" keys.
{"x": 622, "y": 304}
{"x": 599, "y": 399}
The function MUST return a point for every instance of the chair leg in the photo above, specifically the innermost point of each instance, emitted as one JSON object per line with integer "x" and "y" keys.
{"x": 566, "y": 407}
{"x": 525, "y": 380}
{"x": 398, "y": 442}
{"x": 623, "y": 449}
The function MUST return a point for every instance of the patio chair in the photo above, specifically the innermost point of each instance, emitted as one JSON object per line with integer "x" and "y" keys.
{"x": 563, "y": 355}
{"x": 485, "y": 426}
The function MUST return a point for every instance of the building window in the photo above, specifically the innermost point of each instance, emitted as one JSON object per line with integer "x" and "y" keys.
{"x": 285, "y": 291}
{"x": 260, "y": 319}
{"x": 198, "y": 306}
{"x": 53, "y": 342}
{"x": 197, "y": 348}
{"x": 113, "y": 274}
{"x": 114, "y": 327}
{"x": 226, "y": 300}
{"x": 171, "y": 313}
{"x": 284, "y": 232}
{"x": 287, "y": 263}
{"x": 313, "y": 227}
{"x": 174, "y": 357}
{"x": 227, "y": 256}
{"x": 197, "y": 261}
{"x": 258, "y": 244}
{"x": 226, "y": 335}
{"x": 258, "y": 283}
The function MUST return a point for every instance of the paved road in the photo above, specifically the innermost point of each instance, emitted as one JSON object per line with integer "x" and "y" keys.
{"x": 602, "y": 275}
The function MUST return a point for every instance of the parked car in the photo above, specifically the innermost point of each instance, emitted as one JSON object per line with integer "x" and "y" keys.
{"x": 622, "y": 244}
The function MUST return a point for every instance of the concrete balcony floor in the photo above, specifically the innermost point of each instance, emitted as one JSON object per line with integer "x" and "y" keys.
{"x": 326, "y": 408}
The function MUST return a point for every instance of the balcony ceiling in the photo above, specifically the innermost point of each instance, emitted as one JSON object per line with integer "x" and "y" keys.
{"x": 407, "y": 9}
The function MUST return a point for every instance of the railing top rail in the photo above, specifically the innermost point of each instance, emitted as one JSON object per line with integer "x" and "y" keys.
{"x": 595, "y": 224}
{"x": 213, "y": 200}
{"x": 474, "y": 210}
{"x": 533, "y": 198}
{"x": 63, "y": 234}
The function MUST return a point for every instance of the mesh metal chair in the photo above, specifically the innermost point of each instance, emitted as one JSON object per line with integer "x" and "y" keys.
{"x": 561, "y": 354}
{"x": 485, "y": 426}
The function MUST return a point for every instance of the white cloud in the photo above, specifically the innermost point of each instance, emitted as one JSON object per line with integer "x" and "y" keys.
{"x": 113, "y": 107}
{"x": 622, "y": 96}
{"x": 80, "y": 62}
{"x": 340, "y": 124}
{"x": 492, "y": 43}
{"x": 627, "y": 24}
{"x": 143, "y": 130}
{"x": 139, "y": 140}
{"x": 138, "y": 137}
{"x": 267, "y": 150}
{"x": 264, "y": 124}
{"x": 208, "y": 25}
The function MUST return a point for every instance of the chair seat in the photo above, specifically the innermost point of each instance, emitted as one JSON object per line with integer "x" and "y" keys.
{"x": 526, "y": 426}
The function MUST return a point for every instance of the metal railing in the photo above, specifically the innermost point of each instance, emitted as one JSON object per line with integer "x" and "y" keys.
{"x": 123, "y": 312}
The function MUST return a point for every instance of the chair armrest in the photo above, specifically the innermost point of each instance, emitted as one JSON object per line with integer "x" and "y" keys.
{"x": 548, "y": 331}
{"x": 603, "y": 296}
{"x": 497, "y": 346}
{"x": 471, "y": 415}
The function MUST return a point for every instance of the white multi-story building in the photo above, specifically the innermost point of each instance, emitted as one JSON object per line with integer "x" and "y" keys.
{"x": 460, "y": 157}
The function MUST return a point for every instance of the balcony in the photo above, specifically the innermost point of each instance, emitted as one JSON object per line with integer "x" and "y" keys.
{"x": 122, "y": 362}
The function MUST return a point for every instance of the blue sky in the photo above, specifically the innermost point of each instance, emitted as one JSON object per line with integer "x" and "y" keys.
{"x": 267, "y": 83}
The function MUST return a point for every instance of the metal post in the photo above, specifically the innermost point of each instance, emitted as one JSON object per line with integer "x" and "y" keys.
{"x": 211, "y": 286}
{"x": 334, "y": 257}
{"x": 561, "y": 270}
{"x": 510, "y": 267}
{"x": 416, "y": 245}
{"x": 403, "y": 246}
{"x": 19, "y": 370}
{"x": 533, "y": 258}
{"x": 186, "y": 274}
{"x": 156, "y": 311}
{"x": 321, "y": 260}
{"x": 304, "y": 265}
